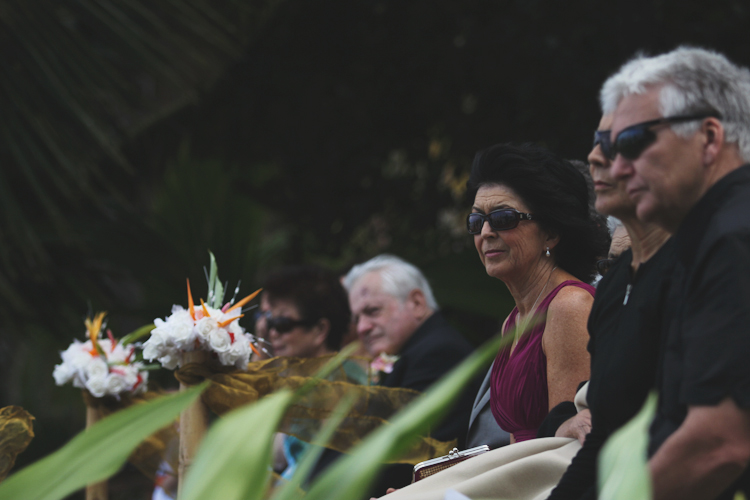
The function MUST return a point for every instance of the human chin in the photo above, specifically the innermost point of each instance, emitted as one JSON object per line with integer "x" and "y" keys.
{"x": 647, "y": 208}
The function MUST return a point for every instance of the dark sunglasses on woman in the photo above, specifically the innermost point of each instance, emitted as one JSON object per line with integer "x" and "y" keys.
{"x": 284, "y": 324}
{"x": 633, "y": 140}
{"x": 500, "y": 220}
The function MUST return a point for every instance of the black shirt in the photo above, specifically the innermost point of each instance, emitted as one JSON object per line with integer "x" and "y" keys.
{"x": 705, "y": 357}
{"x": 624, "y": 326}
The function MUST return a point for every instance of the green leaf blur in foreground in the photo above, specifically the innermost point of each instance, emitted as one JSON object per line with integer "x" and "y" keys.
{"x": 234, "y": 459}
{"x": 137, "y": 334}
{"x": 351, "y": 476}
{"x": 623, "y": 464}
{"x": 233, "y": 462}
{"x": 291, "y": 490}
{"x": 98, "y": 452}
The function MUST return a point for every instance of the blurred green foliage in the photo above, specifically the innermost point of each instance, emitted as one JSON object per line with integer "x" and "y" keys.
{"x": 135, "y": 136}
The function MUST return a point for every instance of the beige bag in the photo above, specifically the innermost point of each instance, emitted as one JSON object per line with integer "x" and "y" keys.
{"x": 522, "y": 471}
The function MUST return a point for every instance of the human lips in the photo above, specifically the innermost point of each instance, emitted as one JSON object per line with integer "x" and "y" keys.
{"x": 493, "y": 252}
{"x": 602, "y": 185}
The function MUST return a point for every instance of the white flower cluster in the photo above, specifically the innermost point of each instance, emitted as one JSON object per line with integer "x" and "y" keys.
{"x": 111, "y": 374}
{"x": 216, "y": 331}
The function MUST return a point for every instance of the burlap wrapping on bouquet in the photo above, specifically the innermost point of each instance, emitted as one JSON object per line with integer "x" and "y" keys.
{"x": 157, "y": 447}
{"x": 373, "y": 407}
{"x": 16, "y": 431}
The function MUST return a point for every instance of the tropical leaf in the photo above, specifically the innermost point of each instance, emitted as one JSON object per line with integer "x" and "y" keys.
{"x": 351, "y": 476}
{"x": 96, "y": 453}
{"x": 82, "y": 77}
{"x": 623, "y": 463}
{"x": 137, "y": 334}
{"x": 233, "y": 461}
{"x": 291, "y": 490}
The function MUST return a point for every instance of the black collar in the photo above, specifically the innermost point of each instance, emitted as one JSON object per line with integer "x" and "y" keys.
{"x": 427, "y": 326}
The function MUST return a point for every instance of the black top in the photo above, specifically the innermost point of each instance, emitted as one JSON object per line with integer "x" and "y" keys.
{"x": 431, "y": 352}
{"x": 705, "y": 357}
{"x": 624, "y": 328}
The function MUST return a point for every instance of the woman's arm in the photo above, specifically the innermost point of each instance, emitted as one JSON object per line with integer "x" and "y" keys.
{"x": 564, "y": 343}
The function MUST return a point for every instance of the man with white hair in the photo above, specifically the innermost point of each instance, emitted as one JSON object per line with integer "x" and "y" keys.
{"x": 396, "y": 314}
{"x": 680, "y": 138}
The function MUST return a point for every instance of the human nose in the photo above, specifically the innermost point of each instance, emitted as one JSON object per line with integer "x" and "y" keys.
{"x": 364, "y": 325}
{"x": 597, "y": 159}
{"x": 487, "y": 231}
{"x": 622, "y": 168}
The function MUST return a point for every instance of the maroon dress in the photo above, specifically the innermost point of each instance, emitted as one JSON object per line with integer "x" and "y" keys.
{"x": 518, "y": 397}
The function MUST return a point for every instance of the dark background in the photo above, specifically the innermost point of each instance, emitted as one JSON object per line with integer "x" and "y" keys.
{"x": 135, "y": 136}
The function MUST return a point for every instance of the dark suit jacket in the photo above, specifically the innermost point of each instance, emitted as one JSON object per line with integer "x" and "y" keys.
{"x": 431, "y": 352}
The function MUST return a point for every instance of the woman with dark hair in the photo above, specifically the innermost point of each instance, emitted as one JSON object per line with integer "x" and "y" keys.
{"x": 308, "y": 311}
{"x": 306, "y": 316}
{"x": 533, "y": 230}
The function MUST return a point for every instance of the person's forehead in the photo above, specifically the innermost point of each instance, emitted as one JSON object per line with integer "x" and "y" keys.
{"x": 368, "y": 290}
{"x": 494, "y": 196}
{"x": 283, "y": 307}
{"x": 636, "y": 108}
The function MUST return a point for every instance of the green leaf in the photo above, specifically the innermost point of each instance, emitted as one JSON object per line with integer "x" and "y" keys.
{"x": 291, "y": 489}
{"x": 98, "y": 452}
{"x": 233, "y": 461}
{"x": 623, "y": 463}
{"x": 351, "y": 476}
{"x": 137, "y": 334}
{"x": 215, "y": 290}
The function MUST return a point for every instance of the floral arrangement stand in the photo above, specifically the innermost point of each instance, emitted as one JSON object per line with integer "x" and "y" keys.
{"x": 193, "y": 422}
{"x": 103, "y": 368}
{"x": 100, "y": 490}
{"x": 206, "y": 334}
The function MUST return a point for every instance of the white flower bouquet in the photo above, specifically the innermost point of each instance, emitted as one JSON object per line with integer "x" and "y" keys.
{"x": 103, "y": 366}
{"x": 212, "y": 328}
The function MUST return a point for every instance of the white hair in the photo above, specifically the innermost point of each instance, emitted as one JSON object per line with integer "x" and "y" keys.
{"x": 692, "y": 81}
{"x": 398, "y": 278}
{"x": 612, "y": 224}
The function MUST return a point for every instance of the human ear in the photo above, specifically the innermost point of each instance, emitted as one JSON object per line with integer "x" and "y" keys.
{"x": 417, "y": 302}
{"x": 551, "y": 241}
{"x": 713, "y": 132}
{"x": 320, "y": 330}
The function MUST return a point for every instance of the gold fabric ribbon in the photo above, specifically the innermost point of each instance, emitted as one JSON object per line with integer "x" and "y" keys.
{"x": 374, "y": 405}
{"x": 16, "y": 432}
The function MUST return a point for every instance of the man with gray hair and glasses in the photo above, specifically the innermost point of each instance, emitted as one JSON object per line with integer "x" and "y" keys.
{"x": 680, "y": 139}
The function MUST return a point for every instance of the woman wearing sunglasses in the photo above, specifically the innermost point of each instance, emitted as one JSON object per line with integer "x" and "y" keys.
{"x": 624, "y": 324}
{"x": 534, "y": 231}
{"x": 306, "y": 314}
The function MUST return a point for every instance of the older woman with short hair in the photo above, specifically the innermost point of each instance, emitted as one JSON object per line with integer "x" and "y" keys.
{"x": 533, "y": 230}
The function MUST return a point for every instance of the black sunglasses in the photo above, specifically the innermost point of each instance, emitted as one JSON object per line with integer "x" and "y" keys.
{"x": 500, "y": 220}
{"x": 284, "y": 324}
{"x": 631, "y": 141}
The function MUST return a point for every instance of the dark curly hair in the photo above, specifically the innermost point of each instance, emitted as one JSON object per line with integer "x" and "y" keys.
{"x": 317, "y": 293}
{"x": 555, "y": 192}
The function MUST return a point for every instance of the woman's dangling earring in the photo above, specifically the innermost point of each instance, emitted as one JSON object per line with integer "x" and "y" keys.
{"x": 547, "y": 252}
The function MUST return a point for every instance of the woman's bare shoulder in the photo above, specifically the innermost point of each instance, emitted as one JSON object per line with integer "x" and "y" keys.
{"x": 571, "y": 300}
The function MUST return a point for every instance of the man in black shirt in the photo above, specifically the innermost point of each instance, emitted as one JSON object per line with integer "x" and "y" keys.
{"x": 679, "y": 139}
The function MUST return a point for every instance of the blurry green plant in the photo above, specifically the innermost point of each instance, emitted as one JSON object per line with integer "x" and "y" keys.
{"x": 623, "y": 462}
{"x": 233, "y": 460}
{"x": 98, "y": 452}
